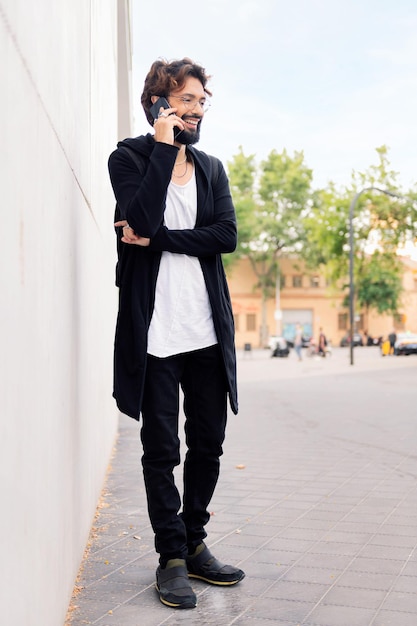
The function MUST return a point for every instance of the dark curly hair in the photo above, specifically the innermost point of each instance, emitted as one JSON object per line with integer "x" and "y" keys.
{"x": 167, "y": 76}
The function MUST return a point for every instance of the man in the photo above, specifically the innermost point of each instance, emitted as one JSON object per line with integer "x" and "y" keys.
{"x": 175, "y": 325}
{"x": 322, "y": 343}
{"x": 392, "y": 338}
{"x": 298, "y": 341}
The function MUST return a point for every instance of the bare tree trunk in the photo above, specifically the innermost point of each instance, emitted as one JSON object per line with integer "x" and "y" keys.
{"x": 264, "y": 334}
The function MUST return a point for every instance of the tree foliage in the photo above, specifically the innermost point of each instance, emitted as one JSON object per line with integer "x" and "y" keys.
{"x": 279, "y": 214}
{"x": 381, "y": 224}
{"x": 270, "y": 200}
{"x": 380, "y": 286}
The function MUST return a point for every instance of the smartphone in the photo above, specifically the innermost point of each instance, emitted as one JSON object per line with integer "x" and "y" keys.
{"x": 161, "y": 102}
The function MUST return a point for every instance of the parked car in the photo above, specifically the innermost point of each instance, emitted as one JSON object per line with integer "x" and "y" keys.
{"x": 406, "y": 344}
{"x": 357, "y": 340}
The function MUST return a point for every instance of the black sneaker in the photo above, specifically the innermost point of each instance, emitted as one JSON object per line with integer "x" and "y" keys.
{"x": 205, "y": 566}
{"x": 174, "y": 587}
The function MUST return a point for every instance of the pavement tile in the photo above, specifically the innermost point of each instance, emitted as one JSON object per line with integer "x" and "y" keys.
{"x": 410, "y": 568}
{"x": 351, "y": 527}
{"x": 340, "y": 616}
{"x": 327, "y": 515}
{"x": 398, "y": 541}
{"x": 394, "y": 618}
{"x": 291, "y": 545}
{"x": 134, "y": 573}
{"x": 307, "y": 523}
{"x": 360, "y": 598}
{"x": 348, "y": 537}
{"x": 290, "y": 590}
{"x": 258, "y": 586}
{"x": 335, "y": 547}
{"x": 281, "y": 557}
{"x": 385, "y": 552}
{"x": 367, "y": 580}
{"x": 406, "y": 530}
{"x": 270, "y": 571}
{"x": 243, "y": 539}
{"x": 326, "y": 561}
{"x": 90, "y": 611}
{"x": 381, "y": 566}
{"x": 254, "y": 621}
{"x": 305, "y": 534}
{"x": 225, "y": 552}
{"x": 282, "y": 609}
{"x": 132, "y": 615}
{"x": 116, "y": 593}
{"x": 259, "y": 529}
{"x": 400, "y": 601}
{"x": 319, "y": 575}
{"x": 398, "y": 519}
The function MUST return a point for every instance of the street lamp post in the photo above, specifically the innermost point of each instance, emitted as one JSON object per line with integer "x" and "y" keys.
{"x": 351, "y": 279}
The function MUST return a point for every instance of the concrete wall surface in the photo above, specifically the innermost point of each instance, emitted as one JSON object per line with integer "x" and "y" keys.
{"x": 59, "y": 122}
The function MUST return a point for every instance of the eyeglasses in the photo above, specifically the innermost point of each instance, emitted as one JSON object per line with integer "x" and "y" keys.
{"x": 191, "y": 103}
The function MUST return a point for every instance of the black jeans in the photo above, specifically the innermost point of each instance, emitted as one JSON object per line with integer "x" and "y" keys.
{"x": 202, "y": 379}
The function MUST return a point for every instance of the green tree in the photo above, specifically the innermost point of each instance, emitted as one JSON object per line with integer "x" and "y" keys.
{"x": 327, "y": 233}
{"x": 242, "y": 172}
{"x": 379, "y": 283}
{"x": 380, "y": 225}
{"x": 385, "y": 220}
{"x": 271, "y": 201}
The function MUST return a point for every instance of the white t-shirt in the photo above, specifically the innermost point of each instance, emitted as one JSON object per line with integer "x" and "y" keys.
{"x": 182, "y": 319}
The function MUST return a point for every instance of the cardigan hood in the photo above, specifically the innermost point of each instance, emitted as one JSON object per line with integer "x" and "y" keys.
{"x": 143, "y": 145}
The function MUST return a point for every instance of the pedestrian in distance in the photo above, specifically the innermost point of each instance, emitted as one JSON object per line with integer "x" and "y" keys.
{"x": 174, "y": 219}
{"x": 298, "y": 341}
{"x": 322, "y": 345}
{"x": 392, "y": 338}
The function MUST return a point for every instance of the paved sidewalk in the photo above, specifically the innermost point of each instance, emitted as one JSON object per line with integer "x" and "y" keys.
{"x": 317, "y": 502}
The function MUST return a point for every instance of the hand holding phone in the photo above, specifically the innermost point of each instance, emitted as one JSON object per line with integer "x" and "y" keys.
{"x": 156, "y": 107}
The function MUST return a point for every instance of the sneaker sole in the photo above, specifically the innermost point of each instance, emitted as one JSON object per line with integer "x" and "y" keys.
{"x": 187, "y": 604}
{"x": 215, "y": 582}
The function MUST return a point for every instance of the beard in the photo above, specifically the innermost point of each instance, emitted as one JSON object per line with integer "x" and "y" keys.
{"x": 188, "y": 137}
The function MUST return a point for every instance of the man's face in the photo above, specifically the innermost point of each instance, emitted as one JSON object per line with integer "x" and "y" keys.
{"x": 190, "y": 102}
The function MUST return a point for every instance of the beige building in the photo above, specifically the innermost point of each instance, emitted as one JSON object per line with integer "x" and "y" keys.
{"x": 303, "y": 296}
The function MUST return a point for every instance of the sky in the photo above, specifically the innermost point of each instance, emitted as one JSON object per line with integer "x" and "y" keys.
{"x": 334, "y": 79}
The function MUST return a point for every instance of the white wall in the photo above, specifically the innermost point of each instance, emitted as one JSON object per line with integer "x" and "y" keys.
{"x": 59, "y": 122}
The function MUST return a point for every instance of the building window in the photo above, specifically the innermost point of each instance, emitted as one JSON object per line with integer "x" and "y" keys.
{"x": 342, "y": 321}
{"x": 360, "y": 322}
{"x": 282, "y": 280}
{"x": 314, "y": 281}
{"x": 399, "y": 321}
{"x": 251, "y": 321}
{"x": 297, "y": 281}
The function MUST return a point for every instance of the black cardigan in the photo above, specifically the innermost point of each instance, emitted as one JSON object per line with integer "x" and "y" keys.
{"x": 141, "y": 199}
